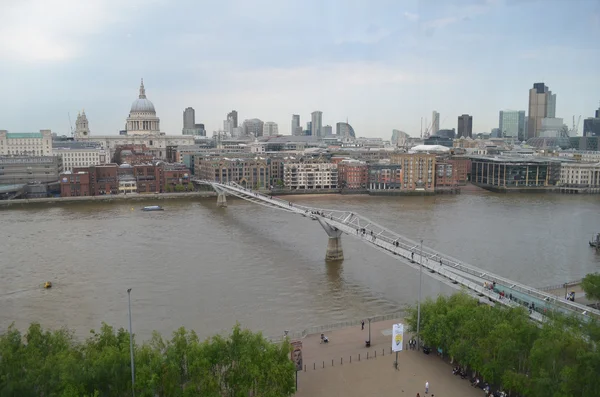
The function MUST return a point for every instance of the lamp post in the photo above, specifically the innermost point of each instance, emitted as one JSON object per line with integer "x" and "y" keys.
{"x": 369, "y": 330}
{"x": 419, "y": 301}
{"x": 131, "y": 345}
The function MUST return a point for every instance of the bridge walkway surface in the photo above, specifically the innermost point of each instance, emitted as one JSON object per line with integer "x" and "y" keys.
{"x": 375, "y": 375}
{"x": 442, "y": 267}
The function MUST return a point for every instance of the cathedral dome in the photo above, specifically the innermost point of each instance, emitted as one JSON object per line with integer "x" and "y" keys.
{"x": 142, "y": 104}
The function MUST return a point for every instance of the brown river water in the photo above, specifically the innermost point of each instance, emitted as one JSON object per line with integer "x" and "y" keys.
{"x": 203, "y": 267}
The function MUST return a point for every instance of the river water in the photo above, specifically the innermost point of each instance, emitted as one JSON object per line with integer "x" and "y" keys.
{"x": 203, "y": 267}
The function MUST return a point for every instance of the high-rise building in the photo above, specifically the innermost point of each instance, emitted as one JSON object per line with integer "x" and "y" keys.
{"x": 253, "y": 127}
{"x": 189, "y": 123}
{"x": 327, "y": 130}
{"x": 344, "y": 130}
{"x": 591, "y": 125}
{"x": 270, "y": 129}
{"x": 542, "y": 104}
{"x": 317, "y": 123}
{"x": 189, "y": 118}
{"x": 511, "y": 124}
{"x": 435, "y": 122}
{"x": 228, "y": 127}
{"x": 465, "y": 126}
{"x": 233, "y": 117}
{"x": 399, "y": 137}
{"x": 295, "y": 124}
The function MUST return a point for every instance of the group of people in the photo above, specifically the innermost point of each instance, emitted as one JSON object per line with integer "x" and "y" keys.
{"x": 570, "y": 296}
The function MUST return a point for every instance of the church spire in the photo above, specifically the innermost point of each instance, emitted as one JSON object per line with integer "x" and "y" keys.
{"x": 142, "y": 90}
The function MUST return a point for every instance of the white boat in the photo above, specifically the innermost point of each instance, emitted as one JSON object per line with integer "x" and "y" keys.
{"x": 153, "y": 208}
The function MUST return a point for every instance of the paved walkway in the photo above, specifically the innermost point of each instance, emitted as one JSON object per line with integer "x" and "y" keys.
{"x": 579, "y": 293}
{"x": 376, "y": 375}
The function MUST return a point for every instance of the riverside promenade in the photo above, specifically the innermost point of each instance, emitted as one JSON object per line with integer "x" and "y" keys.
{"x": 341, "y": 367}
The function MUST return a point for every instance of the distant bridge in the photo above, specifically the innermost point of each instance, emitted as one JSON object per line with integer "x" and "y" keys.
{"x": 441, "y": 267}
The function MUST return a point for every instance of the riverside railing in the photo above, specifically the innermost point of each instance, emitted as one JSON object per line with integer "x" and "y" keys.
{"x": 300, "y": 334}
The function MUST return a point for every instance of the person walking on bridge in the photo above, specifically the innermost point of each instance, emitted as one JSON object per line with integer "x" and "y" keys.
{"x": 362, "y": 324}
{"x": 426, "y": 387}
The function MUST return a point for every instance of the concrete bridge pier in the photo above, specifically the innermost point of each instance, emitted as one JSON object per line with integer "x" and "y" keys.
{"x": 221, "y": 199}
{"x": 334, "y": 243}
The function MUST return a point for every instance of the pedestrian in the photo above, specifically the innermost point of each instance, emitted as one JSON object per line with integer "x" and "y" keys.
{"x": 418, "y": 395}
{"x": 362, "y": 324}
{"x": 426, "y": 387}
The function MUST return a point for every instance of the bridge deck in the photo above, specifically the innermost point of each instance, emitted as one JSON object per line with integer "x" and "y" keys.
{"x": 440, "y": 266}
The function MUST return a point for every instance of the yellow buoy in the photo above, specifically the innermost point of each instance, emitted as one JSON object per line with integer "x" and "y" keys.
{"x": 47, "y": 284}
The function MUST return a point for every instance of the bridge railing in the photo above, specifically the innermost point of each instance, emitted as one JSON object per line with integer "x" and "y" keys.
{"x": 379, "y": 234}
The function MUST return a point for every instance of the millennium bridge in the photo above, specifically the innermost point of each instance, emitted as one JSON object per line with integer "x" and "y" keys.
{"x": 437, "y": 265}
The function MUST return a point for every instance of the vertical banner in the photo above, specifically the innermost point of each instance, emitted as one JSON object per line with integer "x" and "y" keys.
{"x": 296, "y": 354}
{"x": 397, "y": 337}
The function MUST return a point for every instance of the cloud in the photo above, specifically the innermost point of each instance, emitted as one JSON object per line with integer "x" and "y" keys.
{"x": 411, "y": 16}
{"x": 458, "y": 14}
{"x": 55, "y": 30}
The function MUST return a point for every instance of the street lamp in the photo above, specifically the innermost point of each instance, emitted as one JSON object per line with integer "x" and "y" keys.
{"x": 131, "y": 345}
{"x": 419, "y": 302}
{"x": 369, "y": 331}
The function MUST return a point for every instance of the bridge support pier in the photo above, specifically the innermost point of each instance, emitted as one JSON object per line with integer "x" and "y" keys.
{"x": 221, "y": 200}
{"x": 334, "y": 243}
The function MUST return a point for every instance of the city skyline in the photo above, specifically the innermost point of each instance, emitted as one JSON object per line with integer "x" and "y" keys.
{"x": 397, "y": 63}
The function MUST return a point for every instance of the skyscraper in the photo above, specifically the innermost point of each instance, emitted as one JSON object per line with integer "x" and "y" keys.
{"x": 512, "y": 124}
{"x": 327, "y": 130}
{"x": 270, "y": 129}
{"x": 233, "y": 117}
{"x": 189, "y": 118}
{"x": 591, "y": 125}
{"x": 317, "y": 123}
{"x": 435, "y": 122}
{"x": 253, "y": 127}
{"x": 295, "y": 124}
{"x": 189, "y": 123}
{"x": 542, "y": 104}
{"x": 465, "y": 126}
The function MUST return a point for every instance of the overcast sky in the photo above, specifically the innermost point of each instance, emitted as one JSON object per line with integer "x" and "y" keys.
{"x": 383, "y": 64}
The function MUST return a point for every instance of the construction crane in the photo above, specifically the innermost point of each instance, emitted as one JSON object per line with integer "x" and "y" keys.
{"x": 70, "y": 124}
{"x": 425, "y": 134}
{"x": 575, "y": 129}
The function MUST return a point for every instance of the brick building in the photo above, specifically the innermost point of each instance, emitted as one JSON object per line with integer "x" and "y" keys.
{"x": 418, "y": 170}
{"x": 115, "y": 179}
{"x": 75, "y": 184}
{"x": 462, "y": 169}
{"x": 353, "y": 174}
{"x": 174, "y": 175}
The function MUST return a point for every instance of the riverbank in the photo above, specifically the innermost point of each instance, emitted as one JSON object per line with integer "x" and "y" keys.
{"x": 107, "y": 198}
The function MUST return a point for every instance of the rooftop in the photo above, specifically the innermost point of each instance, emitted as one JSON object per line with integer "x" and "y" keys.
{"x": 73, "y": 145}
{"x": 24, "y": 135}
{"x": 518, "y": 159}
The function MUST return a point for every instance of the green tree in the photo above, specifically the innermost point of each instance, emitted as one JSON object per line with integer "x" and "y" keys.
{"x": 560, "y": 359}
{"x": 53, "y": 363}
{"x": 591, "y": 286}
{"x": 179, "y": 188}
